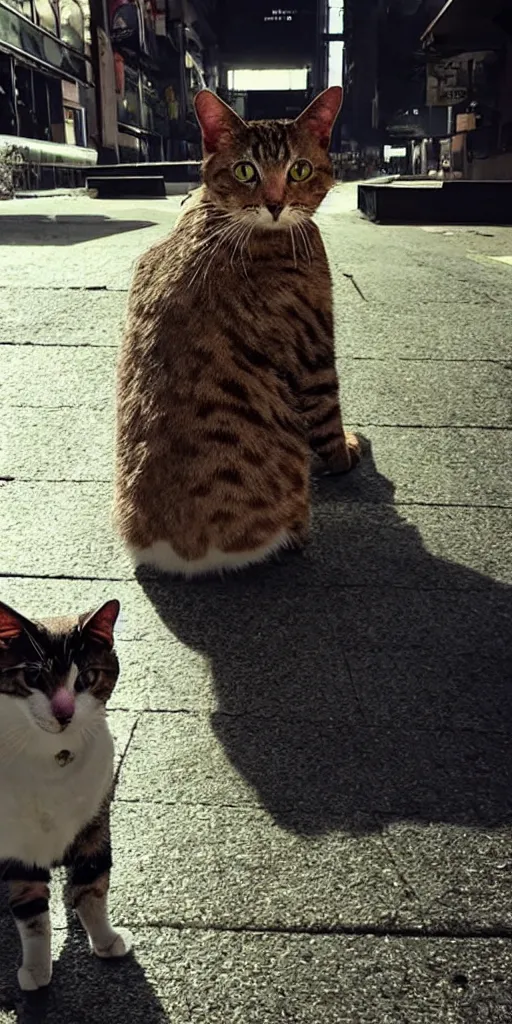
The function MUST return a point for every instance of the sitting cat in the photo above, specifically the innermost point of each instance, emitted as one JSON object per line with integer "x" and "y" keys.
{"x": 227, "y": 374}
{"x": 56, "y": 774}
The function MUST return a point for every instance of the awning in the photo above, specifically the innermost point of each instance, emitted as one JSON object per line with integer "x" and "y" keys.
{"x": 39, "y": 151}
{"x": 466, "y": 25}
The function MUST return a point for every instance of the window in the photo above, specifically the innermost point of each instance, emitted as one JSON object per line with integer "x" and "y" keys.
{"x": 54, "y": 86}
{"x": 72, "y": 26}
{"x": 7, "y": 110}
{"x": 46, "y": 16}
{"x": 245, "y": 80}
{"x": 336, "y": 17}
{"x": 25, "y": 103}
{"x": 335, "y": 73}
{"x": 41, "y": 107}
{"x": 25, "y": 7}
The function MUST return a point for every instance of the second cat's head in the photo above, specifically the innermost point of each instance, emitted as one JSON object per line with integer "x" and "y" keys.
{"x": 272, "y": 174}
{"x": 58, "y": 674}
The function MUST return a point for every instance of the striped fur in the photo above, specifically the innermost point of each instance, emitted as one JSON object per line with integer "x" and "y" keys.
{"x": 227, "y": 377}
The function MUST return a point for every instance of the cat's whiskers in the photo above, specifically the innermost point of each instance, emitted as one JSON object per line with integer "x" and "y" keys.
{"x": 293, "y": 246}
{"x": 246, "y": 244}
{"x": 239, "y": 240}
{"x": 228, "y": 236}
{"x": 212, "y": 234}
{"x": 305, "y": 240}
{"x": 205, "y": 249}
{"x": 14, "y": 742}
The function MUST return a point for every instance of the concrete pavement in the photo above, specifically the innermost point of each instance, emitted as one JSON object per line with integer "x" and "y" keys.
{"x": 312, "y": 819}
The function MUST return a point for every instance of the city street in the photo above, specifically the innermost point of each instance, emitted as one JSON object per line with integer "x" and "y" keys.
{"x": 312, "y": 818}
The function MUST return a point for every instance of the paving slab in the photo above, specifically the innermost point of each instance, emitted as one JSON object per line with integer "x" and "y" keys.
{"x": 467, "y": 466}
{"x": 369, "y": 543}
{"x": 165, "y": 676}
{"x": 417, "y": 689}
{"x": 57, "y": 444}
{"x": 55, "y": 378}
{"x": 243, "y": 872}
{"x": 209, "y": 977}
{"x": 399, "y": 266}
{"x": 82, "y": 247}
{"x": 407, "y": 394}
{"x": 430, "y": 331}
{"x": 215, "y": 620}
{"x": 61, "y": 317}
{"x": 317, "y": 769}
{"x": 427, "y": 394}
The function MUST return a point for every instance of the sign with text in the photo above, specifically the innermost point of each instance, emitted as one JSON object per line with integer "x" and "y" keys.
{"x": 268, "y": 33}
{"x": 447, "y": 83}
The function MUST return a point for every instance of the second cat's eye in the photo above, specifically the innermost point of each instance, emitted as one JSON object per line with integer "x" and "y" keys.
{"x": 32, "y": 676}
{"x": 301, "y": 170}
{"x": 245, "y": 172}
{"x": 86, "y": 679}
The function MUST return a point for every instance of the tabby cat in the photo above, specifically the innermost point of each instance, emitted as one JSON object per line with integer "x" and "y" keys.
{"x": 56, "y": 773}
{"x": 227, "y": 374}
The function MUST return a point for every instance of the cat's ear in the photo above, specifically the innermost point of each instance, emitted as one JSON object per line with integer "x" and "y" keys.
{"x": 217, "y": 121}
{"x": 11, "y": 624}
{"x": 98, "y": 626}
{"x": 318, "y": 119}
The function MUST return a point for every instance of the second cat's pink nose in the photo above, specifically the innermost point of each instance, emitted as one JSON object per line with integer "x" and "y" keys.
{"x": 63, "y": 706}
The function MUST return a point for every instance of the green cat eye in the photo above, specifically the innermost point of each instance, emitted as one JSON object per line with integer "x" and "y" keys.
{"x": 301, "y": 170}
{"x": 86, "y": 679}
{"x": 244, "y": 172}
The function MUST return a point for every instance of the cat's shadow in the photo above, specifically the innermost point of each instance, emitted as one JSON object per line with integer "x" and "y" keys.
{"x": 362, "y": 679}
{"x": 84, "y": 989}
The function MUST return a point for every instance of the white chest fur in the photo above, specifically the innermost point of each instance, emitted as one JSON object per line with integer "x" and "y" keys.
{"x": 45, "y": 800}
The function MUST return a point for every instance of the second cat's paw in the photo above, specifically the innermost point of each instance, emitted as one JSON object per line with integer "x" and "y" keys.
{"x": 32, "y": 978}
{"x": 122, "y": 943}
{"x": 346, "y": 459}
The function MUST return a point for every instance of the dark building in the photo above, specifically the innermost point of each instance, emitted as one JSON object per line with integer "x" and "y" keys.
{"x": 385, "y": 77}
{"x": 468, "y": 49}
{"x": 268, "y": 33}
{"x": 277, "y": 54}
{"x": 414, "y": 69}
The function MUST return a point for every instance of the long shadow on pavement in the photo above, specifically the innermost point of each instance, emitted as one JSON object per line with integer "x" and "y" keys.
{"x": 34, "y": 229}
{"x": 362, "y": 679}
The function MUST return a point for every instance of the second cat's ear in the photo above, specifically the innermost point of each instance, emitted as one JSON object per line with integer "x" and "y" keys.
{"x": 98, "y": 626}
{"x": 11, "y": 624}
{"x": 318, "y": 119}
{"x": 217, "y": 121}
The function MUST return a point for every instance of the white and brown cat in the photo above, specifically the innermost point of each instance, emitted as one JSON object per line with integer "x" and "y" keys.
{"x": 56, "y": 776}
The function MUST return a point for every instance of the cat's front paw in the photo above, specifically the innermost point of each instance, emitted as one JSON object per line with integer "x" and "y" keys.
{"x": 121, "y": 944}
{"x": 32, "y": 978}
{"x": 347, "y": 458}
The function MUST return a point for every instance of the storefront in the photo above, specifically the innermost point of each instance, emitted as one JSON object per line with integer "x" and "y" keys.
{"x": 469, "y": 75}
{"x": 133, "y": 33}
{"x": 47, "y": 108}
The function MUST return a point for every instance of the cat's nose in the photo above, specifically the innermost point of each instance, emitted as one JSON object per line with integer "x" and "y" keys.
{"x": 63, "y": 706}
{"x": 275, "y": 209}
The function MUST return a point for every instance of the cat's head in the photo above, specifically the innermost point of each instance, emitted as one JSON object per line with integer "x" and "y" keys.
{"x": 272, "y": 174}
{"x": 60, "y": 672}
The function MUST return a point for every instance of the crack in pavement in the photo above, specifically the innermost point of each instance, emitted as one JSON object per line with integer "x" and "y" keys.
{"x": 371, "y": 931}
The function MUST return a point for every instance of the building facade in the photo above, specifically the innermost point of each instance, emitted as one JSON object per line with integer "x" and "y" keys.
{"x": 468, "y": 49}
{"x": 47, "y": 97}
{"x": 154, "y": 55}
{"x": 108, "y": 81}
